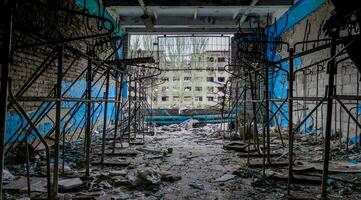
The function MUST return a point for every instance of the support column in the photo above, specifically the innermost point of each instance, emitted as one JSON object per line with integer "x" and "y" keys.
{"x": 8, "y": 26}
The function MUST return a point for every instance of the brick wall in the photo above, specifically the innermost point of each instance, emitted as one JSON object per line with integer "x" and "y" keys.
{"x": 26, "y": 61}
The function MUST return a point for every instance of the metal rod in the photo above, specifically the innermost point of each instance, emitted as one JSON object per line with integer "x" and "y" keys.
{"x": 58, "y": 121}
{"x": 290, "y": 120}
{"x": 88, "y": 131}
{"x": 330, "y": 92}
{"x": 106, "y": 93}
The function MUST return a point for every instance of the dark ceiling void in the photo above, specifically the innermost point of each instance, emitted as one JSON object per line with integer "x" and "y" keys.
{"x": 197, "y": 2}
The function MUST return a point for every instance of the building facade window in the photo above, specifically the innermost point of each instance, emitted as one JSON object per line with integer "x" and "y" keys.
{"x": 187, "y": 78}
{"x": 221, "y": 59}
{"x": 187, "y": 98}
{"x": 210, "y": 89}
{"x": 188, "y": 88}
{"x": 165, "y": 79}
{"x": 176, "y": 78}
{"x": 165, "y": 88}
{"x": 210, "y": 98}
{"x": 221, "y": 79}
{"x": 198, "y": 89}
{"x": 199, "y": 98}
{"x": 210, "y": 69}
{"x": 210, "y": 79}
{"x": 165, "y": 98}
{"x": 175, "y": 98}
{"x": 210, "y": 59}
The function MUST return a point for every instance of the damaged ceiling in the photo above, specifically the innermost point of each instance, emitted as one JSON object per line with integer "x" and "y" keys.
{"x": 218, "y": 16}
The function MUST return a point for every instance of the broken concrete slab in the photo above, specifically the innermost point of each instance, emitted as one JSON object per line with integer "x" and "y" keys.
{"x": 148, "y": 177}
{"x": 118, "y": 172}
{"x": 67, "y": 184}
{"x": 20, "y": 184}
{"x": 7, "y": 176}
{"x": 111, "y": 163}
{"x": 335, "y": 166}
{"x": 197, "y": 185}
{"x": 225, "y": 178}
{"x": 169, "y": 177}
{"x": 236, "y": 146}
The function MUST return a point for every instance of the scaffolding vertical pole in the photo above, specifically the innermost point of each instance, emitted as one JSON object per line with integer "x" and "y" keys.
{"x": 129, "y": 105}
{"x": 88, "y": 118}
{"x": 58, "y": 120}
{"x": 118, "y": 95}
{"x": 6, "y": 49}
{"x": 106, "y": 93}
{"x": 330, "y": 92}
{"x": 290, "y": 119}
{"x": 267, "y": 115}
{"x": 136, "y": 109}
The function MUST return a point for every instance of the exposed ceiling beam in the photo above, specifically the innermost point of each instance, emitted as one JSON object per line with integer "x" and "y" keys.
{"x": 173, "y": 31}
{"x": 196, "y": 2}
{"x": 147, "y": 20}
{"x": 248, "y": 10}
{"x": 187, "y": 22}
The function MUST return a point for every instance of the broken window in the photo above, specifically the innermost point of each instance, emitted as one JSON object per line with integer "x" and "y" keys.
{"x": 221, "y": 59}
{"x": 165, "y": 88}
{"x": 187, "y": 98}
{"x": 188, "y": 88}
{"x": 165, "y": 98}
{"x": 198, "y": 89}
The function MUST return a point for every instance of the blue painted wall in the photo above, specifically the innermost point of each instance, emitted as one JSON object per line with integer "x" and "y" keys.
{"x": 278, "y": 83}
{"x": 14, "y": 121}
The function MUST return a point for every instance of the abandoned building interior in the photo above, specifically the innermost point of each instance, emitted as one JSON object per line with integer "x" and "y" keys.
{"x": 191, "y": 99}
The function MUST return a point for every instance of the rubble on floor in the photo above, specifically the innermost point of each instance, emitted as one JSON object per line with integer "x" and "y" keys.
{"x": 183, "y": 162}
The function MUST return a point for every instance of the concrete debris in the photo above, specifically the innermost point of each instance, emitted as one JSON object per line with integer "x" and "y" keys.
{"x": 225, "y": 177}
{"x": 122, "y": 145}
{"x": 175, "y": 161}
{"x": 7, "y": 176}
{"x": 188, "y": 124}
{"x": 169, "y": 177}
{"x": 197, "y": 185}
{"x": 148, "y": 178}
{"x": 118, "y": 172}
{"x": 67, "y": 184}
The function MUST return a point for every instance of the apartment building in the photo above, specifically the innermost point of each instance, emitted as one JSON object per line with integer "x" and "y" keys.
{"x": 200, "y": 87}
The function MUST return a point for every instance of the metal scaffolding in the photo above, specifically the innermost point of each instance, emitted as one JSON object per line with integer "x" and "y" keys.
{"x": 258, "y": 108}
{"x": 97, "y": 43}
